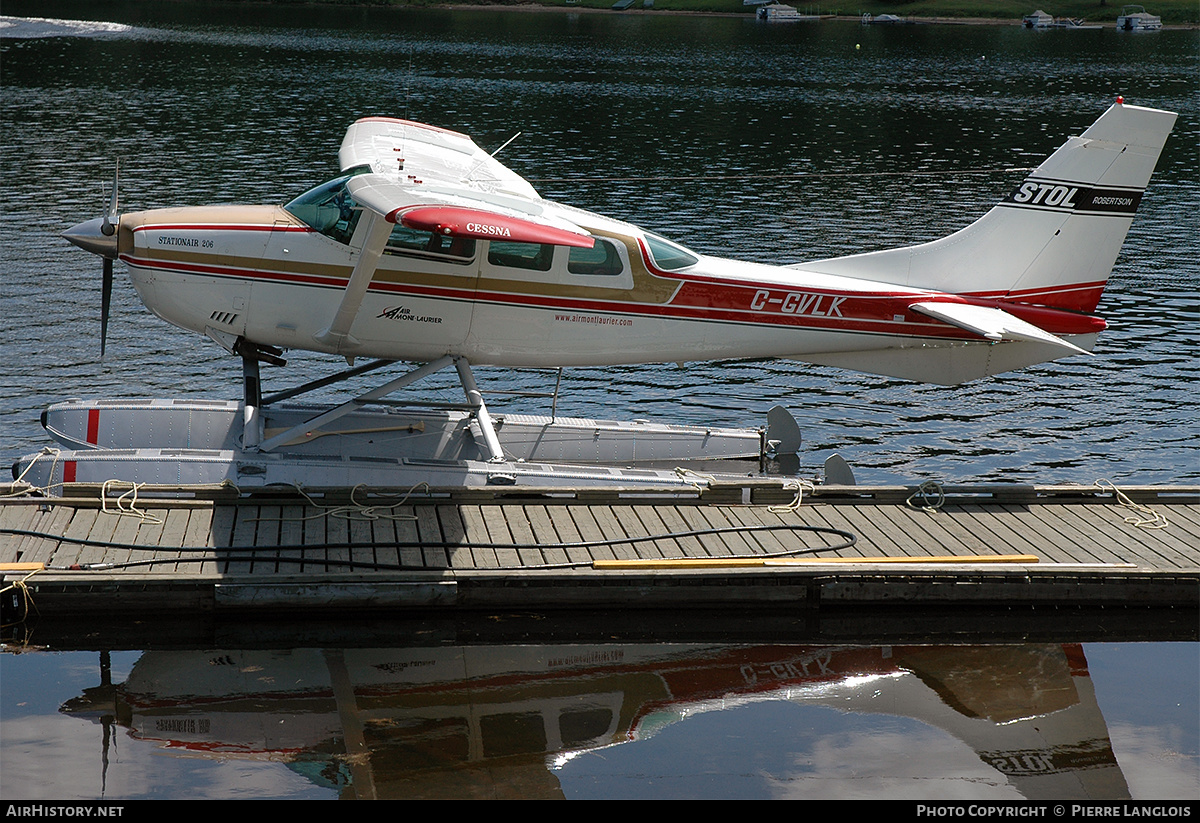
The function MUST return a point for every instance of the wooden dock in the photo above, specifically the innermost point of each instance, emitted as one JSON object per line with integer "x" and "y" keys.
{"x": 732, "y": 546}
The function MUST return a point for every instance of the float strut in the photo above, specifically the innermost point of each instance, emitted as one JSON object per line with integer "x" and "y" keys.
{"x": 252, "y": 388}
{"x": 475, "y": 399}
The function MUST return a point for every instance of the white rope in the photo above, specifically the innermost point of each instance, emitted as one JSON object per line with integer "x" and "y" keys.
{"x": 1151, "y": 520}
{"x": 355, "y": 511}
{"x": 694, "y": 479}
{"x": 800, "y": 486}
{"x": 126, "y": 502}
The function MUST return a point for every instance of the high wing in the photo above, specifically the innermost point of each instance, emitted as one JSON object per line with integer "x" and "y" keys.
{"x": 402, "y": 150}
{"x": 439, "y": 181}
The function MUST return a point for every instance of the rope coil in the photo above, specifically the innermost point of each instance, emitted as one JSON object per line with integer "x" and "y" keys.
{"x": 931, "y": 496}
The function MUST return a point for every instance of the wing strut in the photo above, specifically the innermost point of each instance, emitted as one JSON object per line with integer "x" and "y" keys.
{"x": 337, "y": 336}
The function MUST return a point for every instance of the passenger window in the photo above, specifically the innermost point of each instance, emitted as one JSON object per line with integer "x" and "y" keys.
{"x": 420, "y": 243}
{"x": 533, "y": 256}
{"x": 601, "y": 258}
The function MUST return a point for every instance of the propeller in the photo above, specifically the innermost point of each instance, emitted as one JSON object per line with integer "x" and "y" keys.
{"x": 108, "y": 228}
{"x": 99, "y": 236}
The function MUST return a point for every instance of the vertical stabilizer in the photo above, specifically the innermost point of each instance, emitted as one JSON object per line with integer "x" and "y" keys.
{"x": 1054, "y": 240}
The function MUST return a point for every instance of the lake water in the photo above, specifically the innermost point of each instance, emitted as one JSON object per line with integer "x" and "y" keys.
{"x": 698, "y": 128}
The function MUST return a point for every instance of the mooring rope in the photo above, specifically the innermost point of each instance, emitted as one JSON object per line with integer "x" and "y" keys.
{"x": 1146, "y": 517}
{"x": 29, "y": 488}
{"x": 22, "y": 588}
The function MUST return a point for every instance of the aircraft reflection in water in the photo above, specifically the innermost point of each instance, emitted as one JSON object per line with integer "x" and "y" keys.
{"x": 496, "y": 721}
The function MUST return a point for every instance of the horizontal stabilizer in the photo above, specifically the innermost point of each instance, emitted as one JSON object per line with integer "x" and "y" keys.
{"x": 991, "y": 323}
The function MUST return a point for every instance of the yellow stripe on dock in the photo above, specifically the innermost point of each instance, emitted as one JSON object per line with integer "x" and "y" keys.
{"x": 752, "y": 562}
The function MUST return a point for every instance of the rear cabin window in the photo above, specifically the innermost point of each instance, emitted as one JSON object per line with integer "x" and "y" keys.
{"x": 532, "y": 256}
{"x": 668, "y": 255}
{"x": 416, "y": 243}
{"x": 602, "y": 258}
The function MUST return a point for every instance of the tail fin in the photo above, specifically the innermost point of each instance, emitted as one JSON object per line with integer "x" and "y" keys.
{"x": 1054, "y": 240}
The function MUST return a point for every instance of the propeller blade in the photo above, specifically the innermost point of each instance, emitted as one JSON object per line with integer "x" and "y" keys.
{"x": 109, "y": 227}
{"x": 105, "y": 302}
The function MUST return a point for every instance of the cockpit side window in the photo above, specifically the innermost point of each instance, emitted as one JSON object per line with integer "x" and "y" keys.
{"x": 602, "y": 258}
{"x": 329, "y": 209}
{"x": 668, "y": 255}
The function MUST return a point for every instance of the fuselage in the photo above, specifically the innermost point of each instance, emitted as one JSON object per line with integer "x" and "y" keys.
{"x": 265, "y": 274}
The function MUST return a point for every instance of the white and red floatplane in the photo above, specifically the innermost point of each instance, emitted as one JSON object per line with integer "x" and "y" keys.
{"x": 427, "y": 249}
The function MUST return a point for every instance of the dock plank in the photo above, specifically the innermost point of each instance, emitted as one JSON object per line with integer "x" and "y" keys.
{"x": 197, "y": 534}
{"x": 761, "y": 541}
{"x": 497, "y": 522}
{"x": 610, "y": 526}
{"x": 18, "y": 517}
{"x": 1054, "y": 540}
{"x": 1156, "y": 548}
{"x": 652, "y": 524}
{"x": 21, "y": 547}
{"x": 268, "y": 530}
{"x": 522, "y": 533}
{"x": 869, "y": 541}
{"x": 149, "y": 537}
{"x": 454, "y": 533}
{"x": 568, "y": 533}
{"x": 676, "y": 523}
{"x": 633, "y": 526}
{"x": 429, "y": 531}
{"x": 291, "y": 533}
{"x": 404, "y": 526}
{"x": 315, "y": 535}
{"x": 590, "y": 532}
{"x": 542, "y": 526}
{"x": 220, "y": 536}
{"x": 244, "y": 533}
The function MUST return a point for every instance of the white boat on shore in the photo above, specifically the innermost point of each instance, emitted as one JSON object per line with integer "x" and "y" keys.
{"x": 779, "y": 13}
{"x": 1136, "y": 18}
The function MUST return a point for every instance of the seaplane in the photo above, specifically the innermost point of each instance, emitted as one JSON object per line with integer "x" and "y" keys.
{"x": 427, "y": 250}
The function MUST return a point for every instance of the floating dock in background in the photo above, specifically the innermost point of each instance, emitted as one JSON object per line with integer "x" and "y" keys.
{"x": 730, "y": 546}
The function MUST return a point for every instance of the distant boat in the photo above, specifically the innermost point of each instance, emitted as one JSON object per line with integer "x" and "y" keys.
{"x": 1136, "y": 18}
{"x": 887, "y": 19}
{"x": 1038, "y": 20}
{"x": 777, "y": 13}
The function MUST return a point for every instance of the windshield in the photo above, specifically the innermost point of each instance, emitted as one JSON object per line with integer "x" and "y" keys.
{"x": 328, "y": 208}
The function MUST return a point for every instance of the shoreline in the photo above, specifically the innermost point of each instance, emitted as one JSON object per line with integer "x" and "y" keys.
{"x": 910, "y": 20}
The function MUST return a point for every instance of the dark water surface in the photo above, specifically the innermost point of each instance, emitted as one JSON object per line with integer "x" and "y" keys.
{"x": 211, "y": 104}
{"x": 695, "y": 128}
